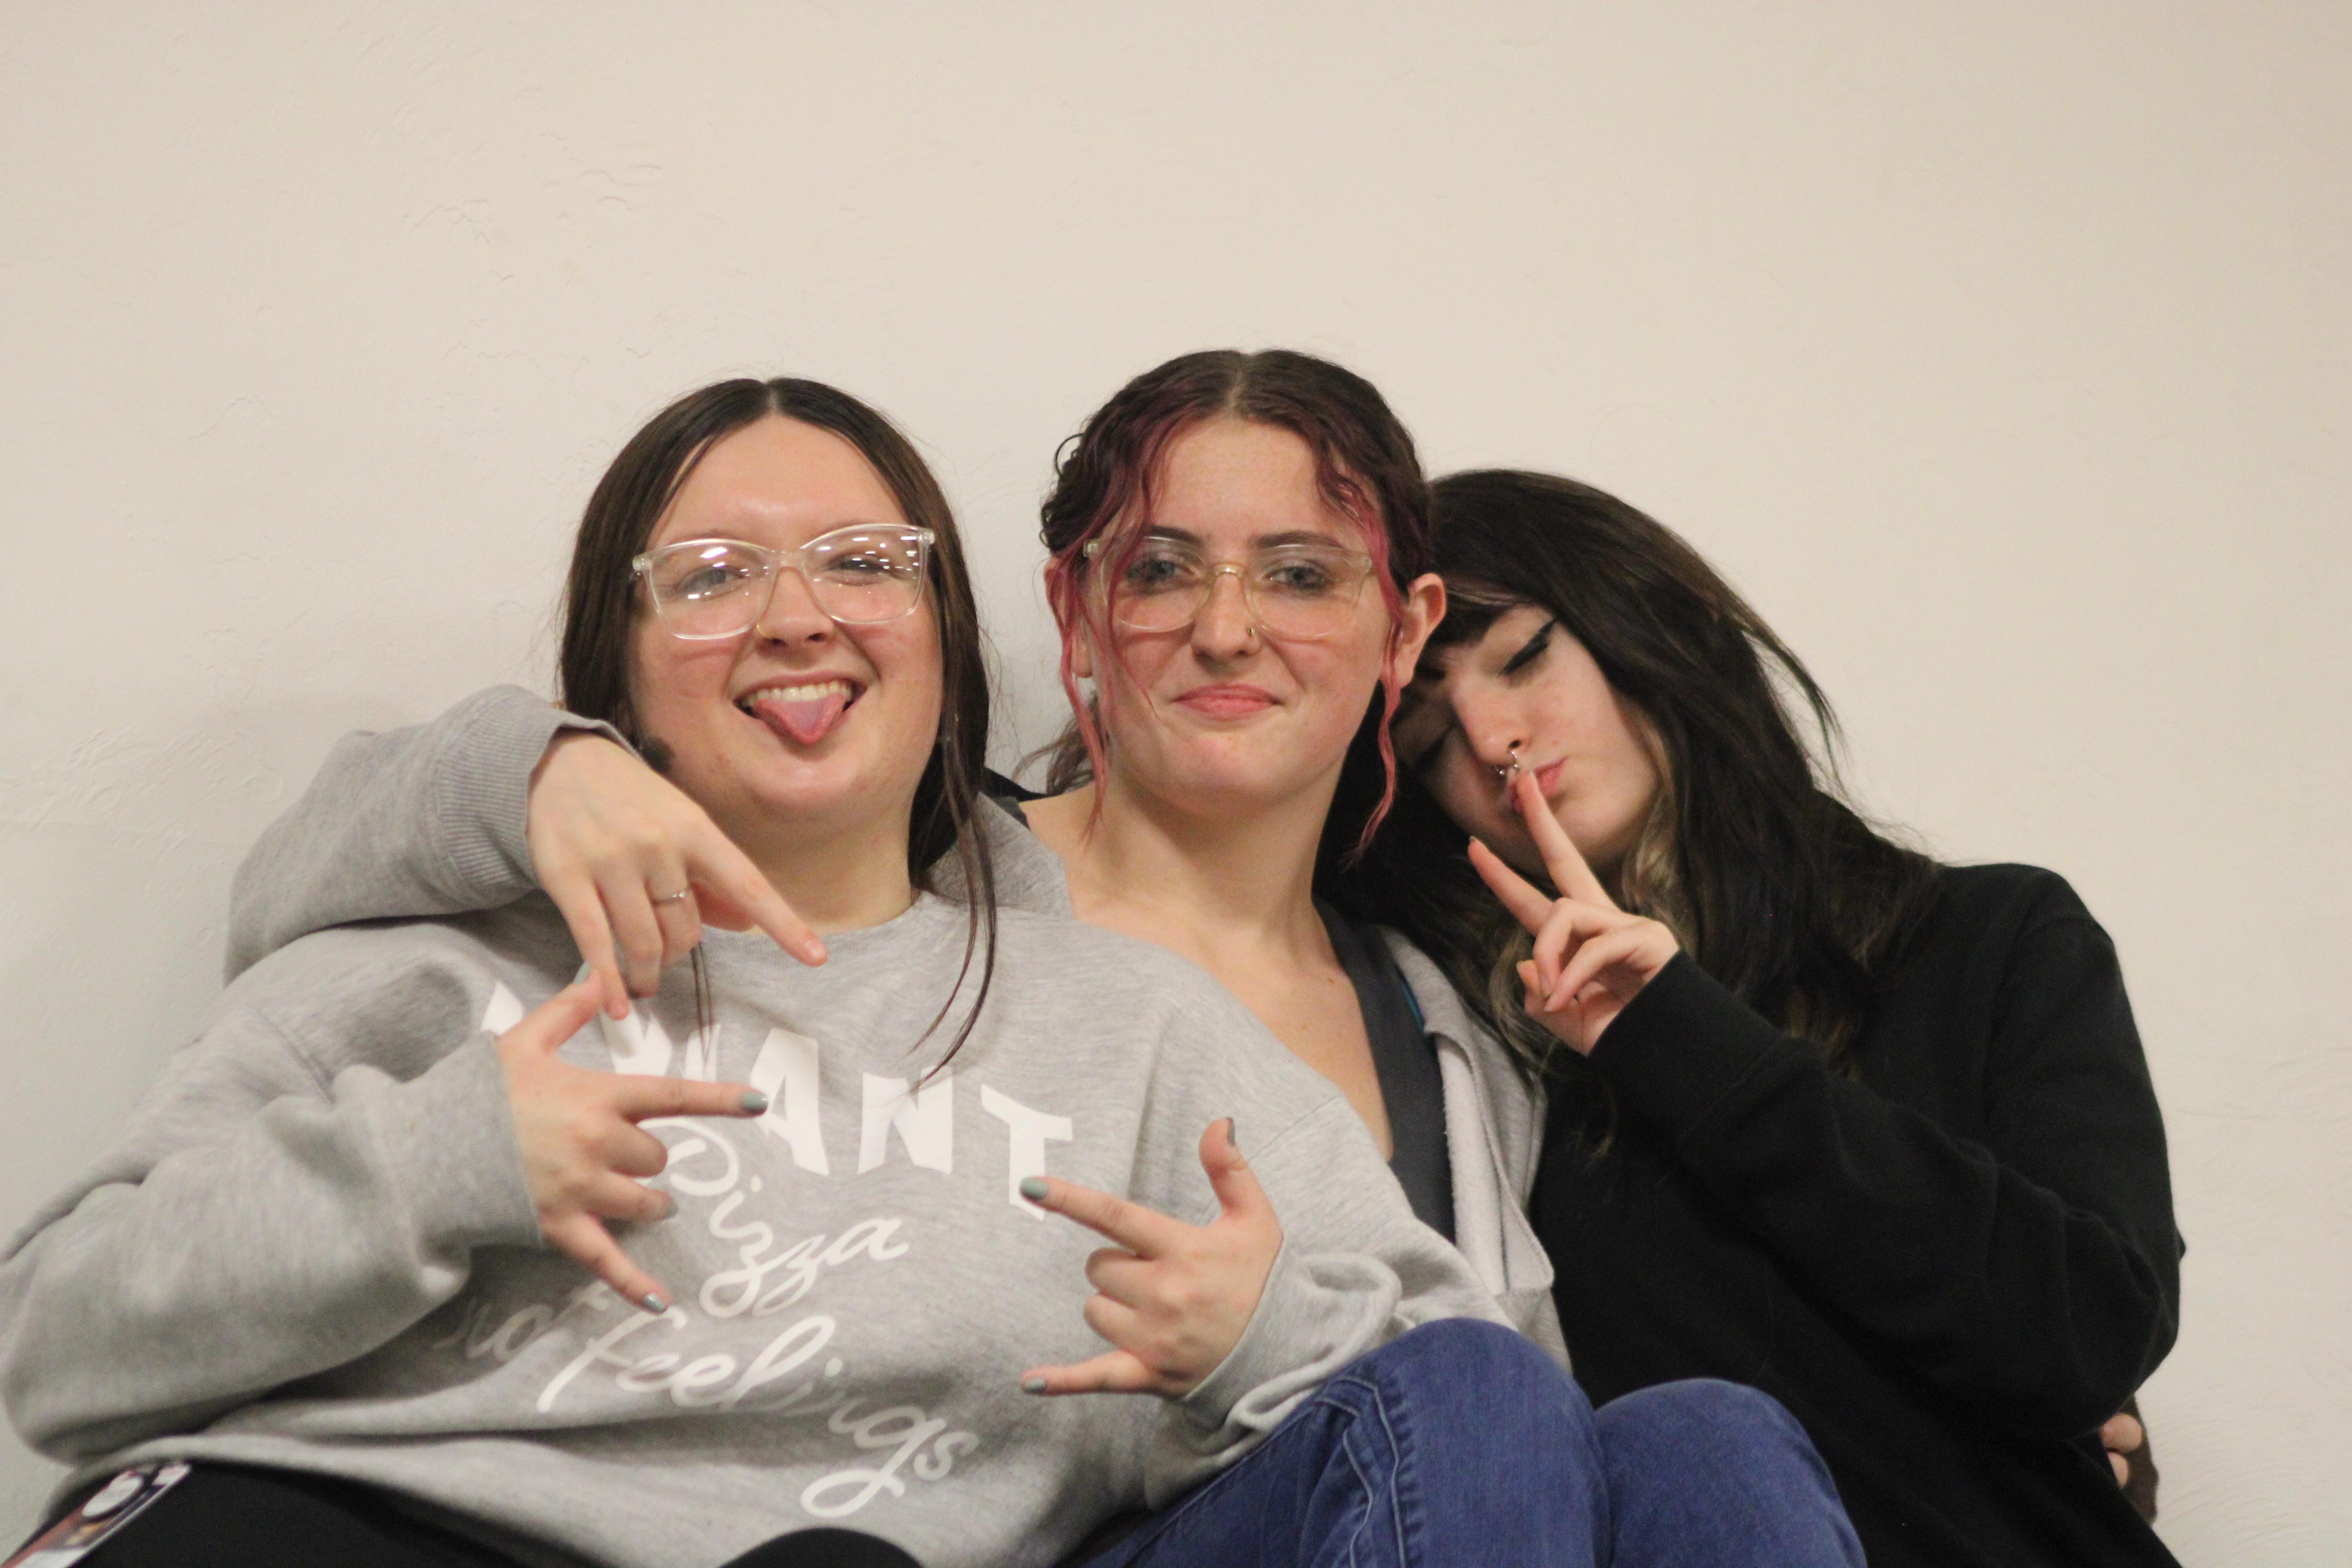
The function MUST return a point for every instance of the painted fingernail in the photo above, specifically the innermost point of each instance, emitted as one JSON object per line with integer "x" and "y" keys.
{"x": 1034, "y": 1189}
{"x": 1233, "y": 1134}
{"x": 1032, "y": 1385}
{"x": 653, "y": 1303}
{"x": 669, "y": 1208}
{"x": 753, "y": 1102}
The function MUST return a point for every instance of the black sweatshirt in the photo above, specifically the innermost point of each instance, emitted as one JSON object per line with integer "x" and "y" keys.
{"x": 1950, "y": 1271}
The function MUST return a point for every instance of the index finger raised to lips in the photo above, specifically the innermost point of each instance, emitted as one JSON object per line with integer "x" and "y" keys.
{"x": 1133, "y": 1226}
{"x": 1570, "y": 873}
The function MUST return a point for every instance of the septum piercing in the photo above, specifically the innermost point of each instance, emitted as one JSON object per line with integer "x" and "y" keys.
{"x": 1511, "y": 775}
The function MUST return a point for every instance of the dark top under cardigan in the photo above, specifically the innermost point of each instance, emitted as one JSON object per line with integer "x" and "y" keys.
{"x": 1951, "y": 1267}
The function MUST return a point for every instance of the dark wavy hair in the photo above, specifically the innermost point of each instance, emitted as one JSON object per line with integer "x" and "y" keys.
{"x": 1364, "y": 464}
{"x": 1750, "y": 853}
{"x": 601, "y": 603}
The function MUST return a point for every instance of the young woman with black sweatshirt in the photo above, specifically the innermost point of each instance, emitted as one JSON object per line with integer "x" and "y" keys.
{"x": 1869, "y": 1132}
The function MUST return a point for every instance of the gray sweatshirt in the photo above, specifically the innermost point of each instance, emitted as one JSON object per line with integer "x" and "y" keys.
{"x": 432, "y": 820}
{"x": 314, "y": 1245}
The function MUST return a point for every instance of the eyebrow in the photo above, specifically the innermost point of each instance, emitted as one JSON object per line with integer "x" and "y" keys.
{"x": 737, "y": 517}
{"x": 1257, "y": 541}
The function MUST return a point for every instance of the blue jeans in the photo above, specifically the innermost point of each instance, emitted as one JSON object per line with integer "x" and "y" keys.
{"x": 1460, "y": 1445}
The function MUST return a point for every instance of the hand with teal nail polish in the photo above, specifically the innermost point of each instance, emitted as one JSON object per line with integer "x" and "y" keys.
{"x": 581, "y": 1143}
{"x": 1172, "y": 1299}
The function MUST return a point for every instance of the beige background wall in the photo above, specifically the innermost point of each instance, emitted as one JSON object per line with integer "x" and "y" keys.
{"x": 1999, "y": 351}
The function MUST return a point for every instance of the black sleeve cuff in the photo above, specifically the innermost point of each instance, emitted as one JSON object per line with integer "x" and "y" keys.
{"x": 1684, "y": 1047}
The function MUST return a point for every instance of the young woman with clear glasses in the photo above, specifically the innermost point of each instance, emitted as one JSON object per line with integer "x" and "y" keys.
{"x": 347, "y": 1288}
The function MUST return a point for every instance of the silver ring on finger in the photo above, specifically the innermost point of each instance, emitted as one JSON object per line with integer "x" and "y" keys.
{"x": 685, "y": 892}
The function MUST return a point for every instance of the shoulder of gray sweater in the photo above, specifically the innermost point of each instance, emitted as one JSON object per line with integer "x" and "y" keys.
{"x": 1028, "y": 875}
{"x": 400, "y": 994}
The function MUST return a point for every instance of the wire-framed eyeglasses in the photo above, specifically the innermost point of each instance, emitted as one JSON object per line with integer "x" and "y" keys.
{"x": 1302, "y": 591}
{"x": 861, "y": 576}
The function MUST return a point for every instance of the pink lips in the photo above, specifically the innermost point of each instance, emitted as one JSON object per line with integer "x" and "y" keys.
{"x": 1547, "y": 777}
{"x": 1230, "y": 700}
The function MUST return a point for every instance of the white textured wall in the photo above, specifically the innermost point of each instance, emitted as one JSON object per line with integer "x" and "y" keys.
{"x": 2000, "y": 352}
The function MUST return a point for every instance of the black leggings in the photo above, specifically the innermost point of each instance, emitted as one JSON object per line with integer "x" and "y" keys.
{"x": 233, "y": 1516}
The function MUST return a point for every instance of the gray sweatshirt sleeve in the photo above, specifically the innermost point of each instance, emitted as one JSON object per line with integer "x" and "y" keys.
{"x": 427, "y": 820}
{"x": 1356, "y": 1270}
{"x": 258, "y": 1222}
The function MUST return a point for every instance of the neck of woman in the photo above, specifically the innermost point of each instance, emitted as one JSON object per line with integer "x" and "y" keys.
{"x": 1197, "y": 878}
{"x": 836, "y": 877}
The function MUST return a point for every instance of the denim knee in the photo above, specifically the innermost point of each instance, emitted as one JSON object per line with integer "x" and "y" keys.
{"x": 1467, "y": 1353}
{"x": 1766, "y": 1497}
{"x": 1704, "y": 1410}
{"x": 1742, "y": 1434}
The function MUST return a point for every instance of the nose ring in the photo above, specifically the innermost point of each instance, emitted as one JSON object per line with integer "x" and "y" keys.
{"x": 1511, "y": 775}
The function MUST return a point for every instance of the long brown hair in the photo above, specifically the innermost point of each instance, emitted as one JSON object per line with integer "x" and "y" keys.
{"x": 601, "y": 604}
{"x": 1750, "y": 854}
{"x": 1365, "y": 466}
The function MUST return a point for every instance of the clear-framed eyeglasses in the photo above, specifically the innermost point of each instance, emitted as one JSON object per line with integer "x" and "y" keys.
{"x": 861, "y": 576}
{"x": 1302, "y": 591}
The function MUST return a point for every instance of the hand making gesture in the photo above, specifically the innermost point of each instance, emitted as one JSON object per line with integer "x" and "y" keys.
{"x": 1590, "y": 957}
{"x": 577, "y": 1129}
{"x": 638, "y": 869}
{"x": 1172, "y": 1299}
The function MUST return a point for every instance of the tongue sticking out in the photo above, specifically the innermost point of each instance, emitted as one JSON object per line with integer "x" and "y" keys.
{"x": 807, "y": 720}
